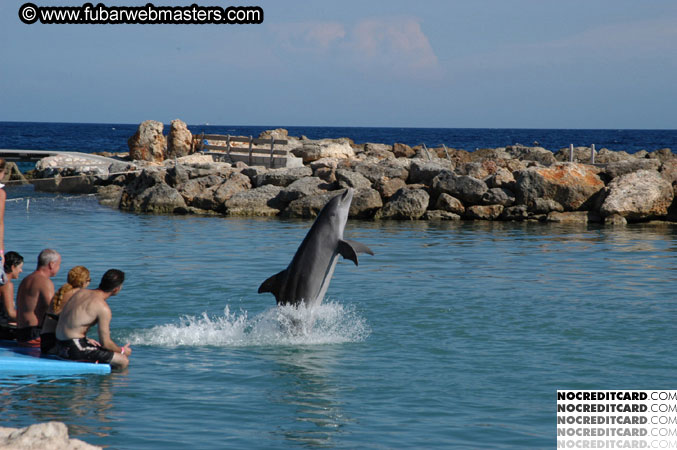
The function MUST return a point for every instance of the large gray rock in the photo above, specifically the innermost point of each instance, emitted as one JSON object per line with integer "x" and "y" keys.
{"x": 348, "y": 178}
{"x": 638, "y": 195}
{"x": 484, "y": 212}
{"x": 378, "y": 151}
{"x": 261, "y": 201}
{"x": 498, "y": 196}
{"x": 308, "y": 207}
{"x": 158, "y": 199}
{"x": 148, "y": 144}
{"x": 574, "y": 186}
{"x": 422, "y": 171}
{"x": 109, "y": 195}
{"x": 179, "y": 140}
{"x": 407, "y": 203}
{"x": 282, "y": 177}
{"x": 214, "y": 198}
{"x": 387, "y": 187}
{"x": 502, "y": 178}
{"x": 403, "y": 151}
{"x": 538, "y": 154}
{"x": 446, "y": 202}
{"x": 388, "y": 168}
{"x": 616, "y": 169}
{"x": 303, "y": 187}
{"x": 366, "y": 202}
{"x": 197, "y": 186}
{"x": 41, "y": 436}
{"x": 314, "y": 150}
{"x": 468, "y": 189}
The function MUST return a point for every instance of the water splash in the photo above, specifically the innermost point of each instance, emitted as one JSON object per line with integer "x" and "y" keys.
{"x": 328, "y": 323}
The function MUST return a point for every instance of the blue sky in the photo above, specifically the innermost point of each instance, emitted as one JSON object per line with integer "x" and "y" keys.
{"x": 481, "y": 63}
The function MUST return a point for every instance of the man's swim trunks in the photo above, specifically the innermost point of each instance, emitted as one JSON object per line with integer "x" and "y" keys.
{"x": 83, "y": 350}
{"x": 28, "y": 337}
{"x": 48, "y": 344}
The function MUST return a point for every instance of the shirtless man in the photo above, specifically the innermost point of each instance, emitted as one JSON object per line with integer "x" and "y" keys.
{"x": 85, "y": 309}
{"x": 33, "y": 297}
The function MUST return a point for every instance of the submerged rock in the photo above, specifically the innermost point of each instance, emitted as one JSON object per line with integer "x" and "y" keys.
{"x": 42, "y": 436}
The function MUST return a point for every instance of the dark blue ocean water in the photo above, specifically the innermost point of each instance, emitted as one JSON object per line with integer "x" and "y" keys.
{"x": 113, "y": 137}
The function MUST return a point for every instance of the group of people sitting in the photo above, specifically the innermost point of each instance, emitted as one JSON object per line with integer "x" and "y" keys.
{"x": 58, "y": 322}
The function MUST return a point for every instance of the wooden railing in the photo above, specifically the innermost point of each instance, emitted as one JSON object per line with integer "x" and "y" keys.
{"x": 252, "y": 154}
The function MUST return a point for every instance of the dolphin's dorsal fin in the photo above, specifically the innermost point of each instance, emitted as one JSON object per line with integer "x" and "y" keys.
{"x": 350, "y": 249}
{"x": 273, "y": 283}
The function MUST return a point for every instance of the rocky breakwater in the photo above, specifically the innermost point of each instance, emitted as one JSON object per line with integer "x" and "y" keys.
{"x": 409, "y": 183}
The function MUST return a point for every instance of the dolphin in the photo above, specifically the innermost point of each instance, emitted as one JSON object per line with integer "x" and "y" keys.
{"x": 307, "y": 277}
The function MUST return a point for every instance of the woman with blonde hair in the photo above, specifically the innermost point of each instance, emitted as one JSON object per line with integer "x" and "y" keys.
{"x": 78, "y": 278}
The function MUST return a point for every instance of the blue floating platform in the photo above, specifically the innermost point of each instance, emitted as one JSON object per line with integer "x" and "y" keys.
{"x": 15, "y": 360}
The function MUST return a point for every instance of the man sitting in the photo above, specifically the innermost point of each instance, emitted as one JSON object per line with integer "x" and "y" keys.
{"x": 33, "y": 297}
{"x": 85, "y": 309}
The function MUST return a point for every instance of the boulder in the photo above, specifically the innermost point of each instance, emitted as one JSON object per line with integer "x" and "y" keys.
{"x": 388, "y": 168}
{"x": 446, "y": 202}
{"x": 197, "y": 186}
{"x": 312, "y": 151}
{"x": 498, "y": 196}
{"x": 501, "y": 178}
{"x": 468, "y": 189}
{"x": 282, "y": 177}
{"x": 437, "y": 215}
{"x": 543, "y": 206}
{"x": 347, "y": 178}
{"x": 582, "y": 217}
{"x": 308, "y": 207}
{"x": 215, "y": 197}
{"x": 261, "y": 201}
{"x": 109, "y": 195}
{"x": 378, "y": 151}
{"x": 407, "y": 203}
{"x": 277, "y": 133}
{"x": 663, "y": 154}
{"x": 615, "y": 220}
{"x": 638, "y": 195}
{"x": 518, "y": 213}
{"x": 484, "y": 212}
{"x": 148, "y": 144}
{"x": 303, "y": 187}
{"x": 422, "y": 171}
{"x": 403, "y": 151}
{"x": 366, "y": 202}
{"x": 668, "y": 170}
{"x": 616, "y": 169}
{"x": 538, "y": 154}
{"x": 158, "y": 199}
{"x": 179, "y": 140}
{"x": 41, "y": 436}
{"x": 388, "y": 186}
{"x": 574, "y": 186}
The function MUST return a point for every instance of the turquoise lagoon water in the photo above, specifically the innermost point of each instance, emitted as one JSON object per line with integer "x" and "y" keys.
{"x": 454, "y": 335}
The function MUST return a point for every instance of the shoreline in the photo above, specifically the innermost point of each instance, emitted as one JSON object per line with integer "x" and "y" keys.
{"x": 392, "y": 181}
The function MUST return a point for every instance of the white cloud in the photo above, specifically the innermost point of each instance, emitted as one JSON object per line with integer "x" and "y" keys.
{"x": 394, "y": 44}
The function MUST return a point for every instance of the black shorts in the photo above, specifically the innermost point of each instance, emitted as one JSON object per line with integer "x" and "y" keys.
{"x": 83, "y": 350}
{"x": 7, "y": 332}
{"x": 48, "y": 343}
{"x": 28, "y": 337}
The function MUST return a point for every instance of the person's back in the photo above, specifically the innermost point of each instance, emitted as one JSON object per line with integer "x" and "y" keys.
{"x": 78, "y": 277}
{"x": 89, "y": 307}
{"x": 33, "y": 297}
{"x": 79, "y": 315}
